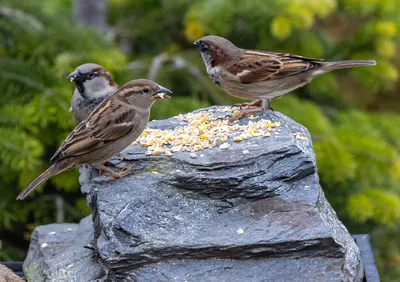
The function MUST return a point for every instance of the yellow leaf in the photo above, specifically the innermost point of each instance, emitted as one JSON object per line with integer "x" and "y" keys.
{"x": 303, "y": 18}
{"x": 194, "y": 31}
{"x": 391, "y": 73}
{"x": 280, "y": 27}
{"x": 396, "y": 170}
{"x": 385, "y": 48}
{"x": 386, "y": 28}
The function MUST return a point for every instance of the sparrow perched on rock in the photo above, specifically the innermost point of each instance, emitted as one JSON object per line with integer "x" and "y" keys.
{"x": 261, "y": 75}
{"x": 93, "y": 84}
{"x": 111, "y": 127}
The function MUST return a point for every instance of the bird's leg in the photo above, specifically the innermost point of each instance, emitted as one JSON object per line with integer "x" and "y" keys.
{"x": 113, "y": 175}
{"x": 256, "y": 103}
{"x": 266, "y": 104}
{"x": 101, "y": 171}
{"x": 259, "y": 104}
{"x": 245, "y": 113}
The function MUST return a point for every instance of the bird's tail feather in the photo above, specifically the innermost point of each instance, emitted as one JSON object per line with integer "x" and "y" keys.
{"x": 348, "y": 64}
{"x": 54, "y": 169}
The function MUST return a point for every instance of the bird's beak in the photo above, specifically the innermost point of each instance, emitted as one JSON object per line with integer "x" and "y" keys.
{"x": 197, "y": 42}
{"x": 161, "y": 93}
{"x": 75, "y": 75}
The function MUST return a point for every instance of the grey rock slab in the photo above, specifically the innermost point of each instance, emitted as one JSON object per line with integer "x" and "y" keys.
{"x": 57, "y": 253}
{"x": 265, "y": 208}
{"x": 222, "y": 216}
{"x": 315, "y": 269}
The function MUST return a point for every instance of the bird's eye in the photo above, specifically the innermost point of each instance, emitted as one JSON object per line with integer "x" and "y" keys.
{"x": 146, "y": 90}
{"x": 203, "y": 47}
{"x": 91, "y": 75}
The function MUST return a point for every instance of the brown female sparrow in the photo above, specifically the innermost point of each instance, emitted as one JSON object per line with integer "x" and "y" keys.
{"x": 261, "y": 75}
{"x": 93, "y": 84}
{"x": 111, "y": 127}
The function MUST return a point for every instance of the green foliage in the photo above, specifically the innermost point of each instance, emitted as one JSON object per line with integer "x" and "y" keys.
{"x": 355, "y": 137}
{"x": 39, "y": 47}
{"x": 379, "y": 206}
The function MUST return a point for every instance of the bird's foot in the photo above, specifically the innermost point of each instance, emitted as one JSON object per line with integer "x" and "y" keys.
{"x": 257, "y": 103}
{"x": 244, "y": 113}
{"x": 114, "y": 175}
{"x": 109, "y": 163}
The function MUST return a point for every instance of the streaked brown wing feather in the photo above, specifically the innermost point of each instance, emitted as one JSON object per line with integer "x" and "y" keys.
{"x": 257, "y": 66}
{"x": 108, "y": 122}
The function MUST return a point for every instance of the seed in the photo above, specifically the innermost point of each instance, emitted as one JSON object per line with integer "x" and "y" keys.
{"x": 224, "y": 146}
{"x": 299, "y": 137}
{"x": 157, "y": 152}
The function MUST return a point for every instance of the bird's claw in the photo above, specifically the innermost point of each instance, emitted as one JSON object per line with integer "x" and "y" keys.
{"x": 122, "y": 173}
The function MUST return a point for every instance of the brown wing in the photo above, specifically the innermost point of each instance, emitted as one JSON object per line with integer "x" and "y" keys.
{"x": 111, "y": 120}
{"x": 256, "y": 66}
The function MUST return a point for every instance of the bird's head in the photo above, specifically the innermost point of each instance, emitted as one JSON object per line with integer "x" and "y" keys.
{"x": 143, "y": 93}
{"x": 216, "y": 50}
{"x": 92, "y": 80}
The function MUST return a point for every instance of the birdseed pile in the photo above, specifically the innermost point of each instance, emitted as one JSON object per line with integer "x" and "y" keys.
{"x": 204, "y": 130}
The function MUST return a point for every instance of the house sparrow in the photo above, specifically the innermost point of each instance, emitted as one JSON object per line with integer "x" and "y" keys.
{"x": 111, "y": 127}
{"x": 93, "y": 84}
{"x": 261, "y": 75}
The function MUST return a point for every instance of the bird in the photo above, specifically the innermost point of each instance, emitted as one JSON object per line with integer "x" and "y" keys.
{"x": 93, "y": 85}
{"x": 261, "y": 75}
{"x": 110, "y": 128}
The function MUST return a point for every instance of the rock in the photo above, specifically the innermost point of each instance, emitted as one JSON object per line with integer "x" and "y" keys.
{"x": 57, "y": 253}
{"x": 224, "y": 215}
{"x": 7, "y": 275}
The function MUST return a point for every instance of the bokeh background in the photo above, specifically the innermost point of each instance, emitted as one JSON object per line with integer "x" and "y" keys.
{"x": 353, "y": 115}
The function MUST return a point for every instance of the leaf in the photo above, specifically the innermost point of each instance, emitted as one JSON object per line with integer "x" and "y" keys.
{"x": 378, "y": 205}
{"x": 281, "y": 27}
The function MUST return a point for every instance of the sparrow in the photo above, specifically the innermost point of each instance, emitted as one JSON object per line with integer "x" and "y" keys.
{"x": 93, "y": 85}
{"x": 261, "y": 75}
{"x": 109, "y": 129}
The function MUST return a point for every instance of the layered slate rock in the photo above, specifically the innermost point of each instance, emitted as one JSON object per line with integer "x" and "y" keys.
{"x": 57, "y": 253}
{"x": 254, "y": 211}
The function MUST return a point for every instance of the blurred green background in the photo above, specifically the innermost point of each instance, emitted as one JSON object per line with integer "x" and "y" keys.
{"x": 353, "y": 115}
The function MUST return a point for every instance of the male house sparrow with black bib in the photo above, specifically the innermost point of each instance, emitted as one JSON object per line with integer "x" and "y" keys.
{"x": 93, "y": 85}
{"x": 109, "y": 129}
{"x": 261, "y": 75}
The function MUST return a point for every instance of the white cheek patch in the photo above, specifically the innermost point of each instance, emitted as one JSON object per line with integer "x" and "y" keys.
{"x": 242, "y": 73}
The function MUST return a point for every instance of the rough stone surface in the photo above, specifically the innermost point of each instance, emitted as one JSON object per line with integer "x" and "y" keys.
{"x": 57, "y": 253}
{"x": 223, "y": 216}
